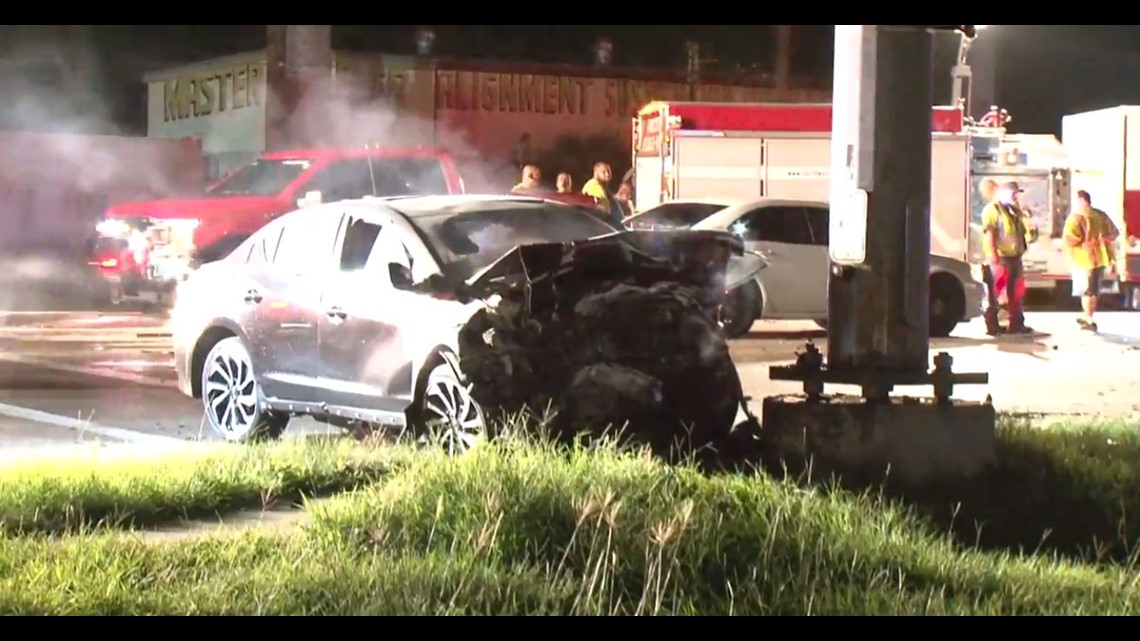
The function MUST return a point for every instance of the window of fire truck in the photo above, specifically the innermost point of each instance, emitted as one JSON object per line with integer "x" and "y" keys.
{"x": 260, "y": 178}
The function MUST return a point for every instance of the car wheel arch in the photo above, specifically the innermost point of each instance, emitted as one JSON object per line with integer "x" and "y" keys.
{"x": 433, "y": 358}
{"x": 213, "y": 335}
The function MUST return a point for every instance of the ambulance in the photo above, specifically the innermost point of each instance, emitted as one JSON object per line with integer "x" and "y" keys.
{"x": 738, "y": 151}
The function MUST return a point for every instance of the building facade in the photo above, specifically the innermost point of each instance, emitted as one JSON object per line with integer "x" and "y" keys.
{"x": 475, "y": 110}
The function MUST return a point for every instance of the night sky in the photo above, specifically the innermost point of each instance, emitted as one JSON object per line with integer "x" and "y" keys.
{"x": 1042, "y": 71}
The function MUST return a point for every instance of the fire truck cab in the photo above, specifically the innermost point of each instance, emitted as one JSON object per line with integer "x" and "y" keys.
{"x": 734, "y": 151}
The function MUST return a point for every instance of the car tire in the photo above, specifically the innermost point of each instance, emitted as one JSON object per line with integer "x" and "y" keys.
{"x": 446, "y": 411}
{"x": 232, "y": 398}
{"x": 947, "y": 304}
{"x": 740, "y": 310}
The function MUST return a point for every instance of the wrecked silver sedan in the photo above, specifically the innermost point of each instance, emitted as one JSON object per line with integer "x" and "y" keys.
{"x": 445, "y": 313}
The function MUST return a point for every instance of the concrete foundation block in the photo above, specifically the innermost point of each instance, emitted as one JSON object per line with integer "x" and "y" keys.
{"x": 915, "y": 440}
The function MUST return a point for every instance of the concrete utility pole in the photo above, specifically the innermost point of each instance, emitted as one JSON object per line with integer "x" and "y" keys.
{"x": 878, "y": 292}
{"x": 298, "y": 83}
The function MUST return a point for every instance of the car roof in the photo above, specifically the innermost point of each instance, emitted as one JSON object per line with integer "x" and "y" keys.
{"x": 725, "y": 217}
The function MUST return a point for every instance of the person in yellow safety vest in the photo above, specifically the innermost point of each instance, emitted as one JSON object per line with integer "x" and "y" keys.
{"x": 1090, "y": 236}
{"x": 597, "y": 187}
{"x": 1007, "y": 233}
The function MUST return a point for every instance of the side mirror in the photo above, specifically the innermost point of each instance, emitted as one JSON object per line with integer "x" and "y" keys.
{"x": 310, "y": 198}
{"x": 401, "y": 276}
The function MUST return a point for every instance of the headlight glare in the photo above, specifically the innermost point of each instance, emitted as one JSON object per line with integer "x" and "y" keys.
{"x": 113, "y": 228}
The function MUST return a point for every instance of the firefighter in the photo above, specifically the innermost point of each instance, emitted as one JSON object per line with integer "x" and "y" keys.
{"x": 531, "y": 175}
{"x": 1089, "y": 237}
{"x": 1006, "y": 233}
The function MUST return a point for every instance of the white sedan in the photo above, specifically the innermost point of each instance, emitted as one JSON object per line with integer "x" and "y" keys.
{"x": 791, "y": 235}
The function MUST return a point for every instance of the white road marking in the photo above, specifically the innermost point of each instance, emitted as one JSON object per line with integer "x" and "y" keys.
{"x": 34, "y": 313}
{"x": 87, "y": 427}
{"x": 104, "y": 372}
{"x": 139, "y": 364}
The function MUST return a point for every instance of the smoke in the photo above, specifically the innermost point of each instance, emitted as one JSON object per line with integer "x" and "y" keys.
{"x": 63, "y": 159}
{"x": 350, "y": 111}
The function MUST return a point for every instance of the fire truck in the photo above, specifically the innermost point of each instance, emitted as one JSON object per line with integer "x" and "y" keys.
{"x": 737, "y": 152}
{"x": 1104, "y": 148}
{"x": 1040, "y": 165}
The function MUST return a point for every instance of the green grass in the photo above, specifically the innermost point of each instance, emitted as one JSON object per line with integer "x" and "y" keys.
{"x": 1071, "y": 490}
{"x": 97, "y": 490}
{"x": 521, "y": 529}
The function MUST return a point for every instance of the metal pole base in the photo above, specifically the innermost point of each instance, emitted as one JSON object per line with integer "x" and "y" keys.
{"x": 908, "y": 439}
{"x": 877, "y": 383}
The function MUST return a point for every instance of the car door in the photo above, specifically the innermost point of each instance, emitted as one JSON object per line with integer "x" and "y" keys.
{"x": 285, "y": 300}
{"x": 780, "y": 233}
{"x": 361, "y": 354}
{"x": 819, "y": 272}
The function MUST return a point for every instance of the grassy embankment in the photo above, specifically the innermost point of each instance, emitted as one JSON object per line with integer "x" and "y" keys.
{"x": 519, "y": 529}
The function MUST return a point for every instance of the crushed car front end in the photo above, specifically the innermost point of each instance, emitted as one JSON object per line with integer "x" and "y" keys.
{"x": 616, "y": 330}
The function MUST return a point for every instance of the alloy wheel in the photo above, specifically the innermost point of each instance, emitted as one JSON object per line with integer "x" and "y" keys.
{"x": 451, "y": 413}
{"x": 230, "y": 393}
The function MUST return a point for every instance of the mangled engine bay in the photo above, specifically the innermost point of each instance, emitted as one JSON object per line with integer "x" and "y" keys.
{"x": 613, "y": 335}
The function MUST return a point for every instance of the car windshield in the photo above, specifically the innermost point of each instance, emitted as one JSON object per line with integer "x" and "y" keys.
{"x": 260, "y": 178}
{"x": 471, "y": 236}
{"x": 677, "y": 214}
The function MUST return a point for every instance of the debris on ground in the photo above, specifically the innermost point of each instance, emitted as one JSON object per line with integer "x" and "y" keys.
{"x": 630, "y": 349}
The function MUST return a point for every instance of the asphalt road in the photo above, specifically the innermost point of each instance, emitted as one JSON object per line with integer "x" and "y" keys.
{"x": 90, "y": 377}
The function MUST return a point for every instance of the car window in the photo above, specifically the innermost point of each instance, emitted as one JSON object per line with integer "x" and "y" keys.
{"x": 353, "y": 178}
{"x": 359, "y": 239}
{"x": 307, "y": 241}
{"x": 778, "y": 224}
{"x": 260, "y": 178}
{"x": 467, "y": 238}
{"x": 342, "y": 180}
{"x": 819, "y": 223}
{"x": 408, "y": 176}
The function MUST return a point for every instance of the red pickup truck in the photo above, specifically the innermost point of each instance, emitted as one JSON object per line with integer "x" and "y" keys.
{"x": 142, "y": 249}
